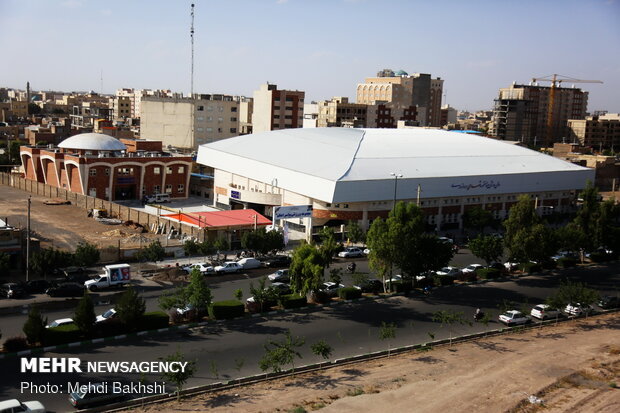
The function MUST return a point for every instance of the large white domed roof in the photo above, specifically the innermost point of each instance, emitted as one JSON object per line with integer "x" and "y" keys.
{"x": 93, "y": 142}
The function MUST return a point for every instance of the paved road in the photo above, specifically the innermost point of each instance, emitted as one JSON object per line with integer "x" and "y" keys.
{"x": 350, "y": 328}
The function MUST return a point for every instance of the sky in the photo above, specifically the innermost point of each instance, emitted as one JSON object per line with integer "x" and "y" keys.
{"x": 323, "y": 47}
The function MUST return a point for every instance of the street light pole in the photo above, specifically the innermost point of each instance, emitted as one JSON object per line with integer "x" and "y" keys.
{"x": 28, "y": 242}
{"x": 396, "y": 176}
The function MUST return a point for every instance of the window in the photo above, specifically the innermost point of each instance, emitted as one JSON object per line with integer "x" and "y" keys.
{"x": 209, "y": 118}
{"x": 210, "y": 108}
{"x": 107, "y": 171}
{"x": 276, "y": 108}
{"x": 157, "y": 170}
{"x": 92, "y": 172}
{"x": 181, "y": 188}
{"x": 157, "y": 189}
{"x": 220, "y": 108}
{"x": 168, "y": 189}
{"x": 233, "y": 109}
{"x": 219, "y": 130}
{"x": 201, "y": 108}
{"x": 289, "y": 98}
{"x": 233, "y": 130}
{"x": 233, "y": 119}
{"x": 220, "y": 119}
{"x": 209, "y": 129}
{"x": 276, "y": 116}
{"x": 125, "y": 171}
{"x": 289, "y": 108}
{"x": 168, "y": 170}
{"x": 181, "y": 169}
{"x": 199, "y": 129}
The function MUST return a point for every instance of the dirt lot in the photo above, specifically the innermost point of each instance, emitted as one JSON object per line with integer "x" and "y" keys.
{"x": 63, "y": 226}
{"x": 572, "y": 367}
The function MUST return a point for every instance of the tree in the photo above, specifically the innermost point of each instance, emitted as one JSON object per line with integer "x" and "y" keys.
{"x": 153, "y": 252}
{"x": 219, "y": 245}
{"x": 191, "y": 247}
{"x": 198, "y": 294}
{"x": 47, "y": 260}
{"x": 86, "y": 255}
{"x": 322, "y": 349}
{"x": 262, "y": 242}
{"x": 85, "y": 315}
{"x": 238, "y": 294}
{"x": 130, "y": 308}
{"x": 306, "y": 270}
{"x": 571, "y": 237}
{"x": 34, "y": 109}
{"x": 5, "y": 261}
{"x": 335, "y": 275}
{"x": 449, "y": 317}
{"x": 262, "y": 294}
{"x": 281, "y": 353}
{"x": 387, "y": 331}
{"x": 572, "y": 293}
{"x": 588, "y": 213}
{"x": 477, "y": 218}
{"x": 181, "y": 375}
{"x": 489, "y": 248}
{"x": 34, "y": 327}
{"x": 328, "y": 246}
{"x": 355, "y": 233}
{"x": 380, "y": 258}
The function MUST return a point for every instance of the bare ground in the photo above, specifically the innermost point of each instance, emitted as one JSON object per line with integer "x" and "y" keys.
{"x": 572, "y": 367}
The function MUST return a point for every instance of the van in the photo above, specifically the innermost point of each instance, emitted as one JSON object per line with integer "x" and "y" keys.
{"x": 158, "y": 198}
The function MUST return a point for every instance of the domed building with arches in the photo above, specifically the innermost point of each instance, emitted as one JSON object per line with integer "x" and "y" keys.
{"x": 104, "y": 167}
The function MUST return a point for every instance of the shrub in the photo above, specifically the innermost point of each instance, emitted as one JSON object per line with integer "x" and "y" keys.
{"x": 425, "y": 282}
{"x": 468, "y": 276}
{"x": 292, "y": 301}
{"x": 61, "y": 335}
{"x": 600, "y": 257}
{"x": 549, "y": 265}
{"x": 222, "y": 310}
{"x": 488, "y": 273}
{"x": 441, "y": 280}
{"x": 154, "y": 320}
{"x": 566, "y": 262}
{"x": 349, "y": 293}
{"x": 14, "y": 344}
{"x": 530, "y": 267}
{"x": 321, "y": 297}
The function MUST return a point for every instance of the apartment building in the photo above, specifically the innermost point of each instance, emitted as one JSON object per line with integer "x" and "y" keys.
{"x": 277, "y": 109}
{"x": 599, "y": 132}
{"x": 401, "y": 90}
{"x": 521, "y": 111}
{"x": 339, "y": 112}
{"x": 184, "y": 122}
{"x": 135, "y": 98}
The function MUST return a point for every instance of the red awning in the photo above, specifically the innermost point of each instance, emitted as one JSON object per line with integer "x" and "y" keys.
{"x": 222, "y": 219}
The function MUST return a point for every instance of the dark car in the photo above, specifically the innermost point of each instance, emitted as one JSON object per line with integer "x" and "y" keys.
{"x": 93, "y": 394}
{"x": 77, "y": 278}
{"x": 608, "y": 302}
{"x": 66, "y": 290}
{"x": 277, "y": 261}
{"x": 370, "y": 286}
{"x": 37, "y": 286}
{"x": 11, "y": 290}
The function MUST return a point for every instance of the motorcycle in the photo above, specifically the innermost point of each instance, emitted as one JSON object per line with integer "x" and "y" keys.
{"x": 351, "y": 267}
{"x": 478, "y": 315}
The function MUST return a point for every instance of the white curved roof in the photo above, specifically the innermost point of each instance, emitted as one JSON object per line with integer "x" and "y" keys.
{"x": 342, "y": 164}
{"x": 94, "y": 142}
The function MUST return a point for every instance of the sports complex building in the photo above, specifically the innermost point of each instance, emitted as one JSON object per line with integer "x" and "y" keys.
{"x": 356, "y": 174}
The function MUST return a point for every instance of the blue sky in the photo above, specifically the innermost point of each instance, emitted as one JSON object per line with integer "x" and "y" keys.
{"x": 324, "y": 47}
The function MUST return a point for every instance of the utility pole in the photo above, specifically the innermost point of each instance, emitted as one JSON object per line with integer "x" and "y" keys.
{"x": 191, "y": 33}
{"x": 419, "y": 190}
{"x": 28, "y": 242}
{"x": 396, "y": 176}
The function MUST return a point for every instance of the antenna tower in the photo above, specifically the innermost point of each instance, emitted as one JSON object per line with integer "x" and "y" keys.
{"x": 191, "y": 33}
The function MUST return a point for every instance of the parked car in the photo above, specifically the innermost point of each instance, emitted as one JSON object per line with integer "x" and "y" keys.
{"x": 60, "y": 322}
{"x": 608, "y": 302}
{"x": 370, "y": 286}
{"x": 351, "y": 252}
{"x": 228, "y": 267}
{"x": 471, "y": 268}
{"x": 277, "y": 261}
{"x": 565, "y": 254}
{"x": 249, "y": 263}
{"x": 203, "y": 267}
{"x": 543, "y": 311}
{"x": 66, "y": 290}
{"x": 94, "y": 394}
{"x": 577, "y": 309}
{"x": 11, "y": 290}
{"x": 73, "y": 270}
{"x": 108, "y": 315}
{"x": 37, "y": 286}
{"x": 449, "y": 271}
{"x": 15, "y": 406}
{"x": 183, "y": 311}
{"x": 366, "y": 251}
{"x": 511, "y": 266}
{"x": 446, "y": 240}
{"x": 331, "y": 288}
{"x": 513, "y": 317}
{"x": 281, "y": 288}
{"x": 279, "y": 276}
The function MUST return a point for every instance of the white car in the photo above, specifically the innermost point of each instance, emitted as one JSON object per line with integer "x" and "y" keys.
{"x": 471, "y": 268}
{"x": 249, "y": 263}
{"x": 108, "y": 315}
{"x": 331, "y": 288}
{"x": 513, "y": 318}
{"x": 58, "y": 323}
{"x": 446, "y": 240}
{"x": 203, "y": 267}
{"x": 14, "y": 406}
{"x": 366, "y": 251}
{"x": 511, "y": 266}
{"x": 351, "y": 252}
{"x": 449, "y": 271}
{"x": 543, "y": 311}
{"x": 228, "y": 267}
{"x": 280, "y": 275}
{"x": 577, "y": 309}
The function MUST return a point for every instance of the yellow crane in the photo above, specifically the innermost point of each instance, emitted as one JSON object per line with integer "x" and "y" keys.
{"x": 556, "y": 81}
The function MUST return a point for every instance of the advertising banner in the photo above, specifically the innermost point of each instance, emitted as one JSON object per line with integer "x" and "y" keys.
{"x": 293, "y": 211}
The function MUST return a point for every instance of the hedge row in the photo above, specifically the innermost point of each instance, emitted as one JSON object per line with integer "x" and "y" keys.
{"x": 349, "y": 293}
{"x": 488, "y": 273}
{"x": 227, "y": 309}
{"x": 293, "y": 301}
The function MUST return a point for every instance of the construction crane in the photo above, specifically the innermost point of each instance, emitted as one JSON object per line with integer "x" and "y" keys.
{"x": 556, "y": 82}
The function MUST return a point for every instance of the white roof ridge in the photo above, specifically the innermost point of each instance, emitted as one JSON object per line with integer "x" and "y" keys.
{"x": 354, "y": 157}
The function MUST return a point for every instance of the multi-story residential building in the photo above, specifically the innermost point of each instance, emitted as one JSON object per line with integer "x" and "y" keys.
{"x": 101, "y": 166}
{"x": 448, "y": 115}
{"x": 403, "y": 90}
{"x": 600, "y": 132}
{"x": 388, "y": 115}
{"x": 186, "y": 123}
{"x": 135, "y": 98}
{"x": 121, "y": 107}
{"x": 340, "y": 112}
{"x": 521, "y": 112}
{"x": 85, "y": 116}
{"x": 311, "y": 115}
{"x": 277, "y": 109}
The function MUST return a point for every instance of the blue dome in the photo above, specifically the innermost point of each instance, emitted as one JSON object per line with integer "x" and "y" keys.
{"x": 402, "y": 73}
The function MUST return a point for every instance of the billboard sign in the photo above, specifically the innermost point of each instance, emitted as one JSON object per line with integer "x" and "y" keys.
{"x": 294, "y": 211}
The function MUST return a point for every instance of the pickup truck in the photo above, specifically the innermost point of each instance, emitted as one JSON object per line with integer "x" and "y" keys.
{"x": 114, "y": 276}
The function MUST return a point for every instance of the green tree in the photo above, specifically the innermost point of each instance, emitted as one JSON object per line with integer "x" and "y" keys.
{"x": 238, "y": 294}
{"x": 274, "y": 241}
{"x": 589, "y": 211}
{"x": 153, "y": 252}
{"x": 5, "y": 261}
{"x": 322, "y": 349}
{"x": 85, "y": 315}
{"x": 572, "y": 293}
{"x": 281, "y": 353}
{"x": 130, "y": 308}
{"x": 328, "y": 246}
{"x": 220, "y": 245}
{"x": 380, "y": 258}
{"x": 306, "y": 270}
{"x": 191, "y": 247}
{"x": 262, "y": 242}
{"x": 181, "y": 376}
{"x": 176, "y": 299}
{"x": 355, "y": 233}
{"x": 14, "y": 156}
{"x": 489, "y": 248}
{"x": 45, "y": 261}
{"x": 198, "y": 293}
{"x": 34, "y": 109}
{"x": 571, "y": 237}
{"x": 86, "y": 255}
{"x": 34, "y": 327}
{"x": 476, "y": 218}
{"x": 449, "y": 318}
{"x": 263, "y": 294}
{"x": 387, "y": 331}
{"x": 207, "y": 248}
{"x": 335, "y": 275}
